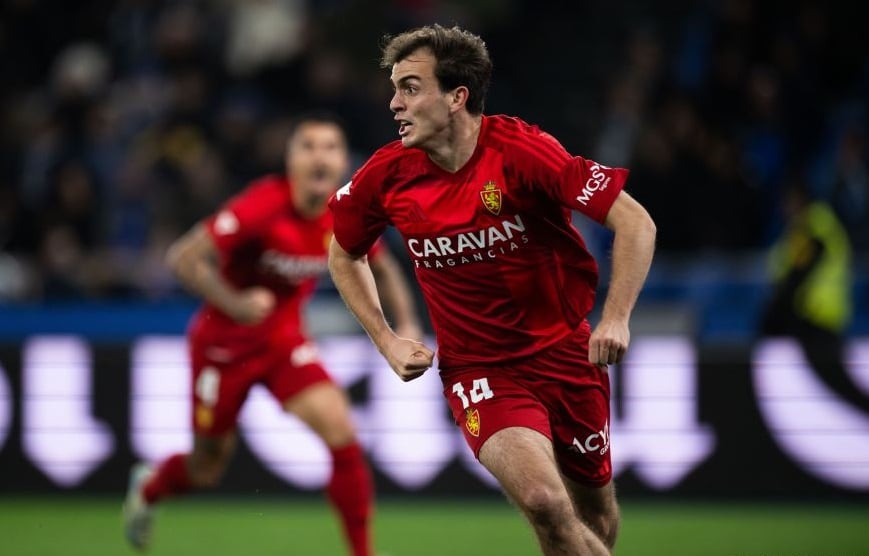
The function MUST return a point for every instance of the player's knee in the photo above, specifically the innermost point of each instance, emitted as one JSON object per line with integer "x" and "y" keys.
{"x": 207, "y": 466}
{"x": 207, "y": 473}
{"x": 545, "y": 507}
{"x": 338, "y": 432}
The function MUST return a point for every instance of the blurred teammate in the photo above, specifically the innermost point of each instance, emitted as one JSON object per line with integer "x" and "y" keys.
{"x": 484, "y": 205}
{"x": 255, "y": 264}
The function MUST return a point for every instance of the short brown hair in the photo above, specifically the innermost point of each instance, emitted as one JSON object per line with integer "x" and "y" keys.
{"x": 461, "y": 58}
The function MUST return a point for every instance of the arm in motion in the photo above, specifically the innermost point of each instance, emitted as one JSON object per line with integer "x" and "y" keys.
{"x": 193, "y": 260}
{"x": 355, "y": 282}
{"x": 633, "y": 247}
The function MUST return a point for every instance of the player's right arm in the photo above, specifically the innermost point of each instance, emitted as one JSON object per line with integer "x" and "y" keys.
{"x": 193, "y": 260}
{"x": 354, "y": 280}
{"x": 359, "y": 220}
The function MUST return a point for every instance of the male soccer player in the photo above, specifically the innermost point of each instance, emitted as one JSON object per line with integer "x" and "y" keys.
{"x": 483, "y": 204}
{"x": 255, "y": 264}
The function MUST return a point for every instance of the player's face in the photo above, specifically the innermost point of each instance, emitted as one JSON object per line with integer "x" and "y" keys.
{"x": 421, "y": 109}
{"x": 317, "y": 160}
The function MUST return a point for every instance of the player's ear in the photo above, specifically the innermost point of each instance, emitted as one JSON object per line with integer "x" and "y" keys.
{"x": 458, "y": 98}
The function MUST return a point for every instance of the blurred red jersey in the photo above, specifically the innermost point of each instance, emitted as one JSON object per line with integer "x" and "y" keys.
{"x": 263, "y": 241}
{"x": 503, "y": 271}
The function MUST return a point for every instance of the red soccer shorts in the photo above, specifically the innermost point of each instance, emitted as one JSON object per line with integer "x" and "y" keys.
{"x": 557, "y": 393}
{"x": 223, "y": 377}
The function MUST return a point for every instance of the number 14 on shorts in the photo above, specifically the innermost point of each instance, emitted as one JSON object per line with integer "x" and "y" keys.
{"x": 479, "y": 391}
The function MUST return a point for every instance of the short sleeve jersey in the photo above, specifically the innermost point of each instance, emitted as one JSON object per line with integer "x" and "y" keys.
{"x": 263, "y": 241}
{"x": 503, "y": 271}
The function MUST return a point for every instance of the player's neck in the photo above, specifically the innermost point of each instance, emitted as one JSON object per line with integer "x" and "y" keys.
{"x": 308, "y": 207}
{"x": 460, "y": 143}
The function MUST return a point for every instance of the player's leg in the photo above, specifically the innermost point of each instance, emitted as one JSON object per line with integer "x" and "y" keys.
{"x": 202, "y": 468}
{"x": 522, "y": 460}
{"x": 217, "y": 396}
{"x": 217, "y": 399}
{"x": 579, "y": 413}
{"x": 597, "y": 508}
{"x": 309, "y": 393}
{"x": 507, "y": 427}
{"x": 324, "y": 407}
{"x": 580, "y": 436}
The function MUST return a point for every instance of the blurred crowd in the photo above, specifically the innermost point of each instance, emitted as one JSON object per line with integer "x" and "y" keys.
{"x": 124, "y": 122}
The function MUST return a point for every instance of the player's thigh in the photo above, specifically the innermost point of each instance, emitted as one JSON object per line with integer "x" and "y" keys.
{"x": 484, "y": 401}
{"x": 580, "y": 415}
{"x": 324, "y": 407}
{"x": 219, "y": 390}
{"x": 301, "y": 384}
{"x": 523, "y": 462}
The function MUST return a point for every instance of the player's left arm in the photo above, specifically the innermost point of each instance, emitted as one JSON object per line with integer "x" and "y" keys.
{"x": 633, "y": 247}
{"x": 395, "y": 293}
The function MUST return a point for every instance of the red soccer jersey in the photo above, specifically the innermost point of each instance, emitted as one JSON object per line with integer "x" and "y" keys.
{"x": 502, "y": 270}
{"x": 263, "y": 241}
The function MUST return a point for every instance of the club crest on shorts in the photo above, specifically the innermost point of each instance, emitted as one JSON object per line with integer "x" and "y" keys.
{"x": 491, "y": 196}
{"x": 204, "y": 416}
{"x": 472, "y": 421}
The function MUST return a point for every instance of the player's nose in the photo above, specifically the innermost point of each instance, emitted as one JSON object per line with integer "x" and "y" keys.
{"x": 395, "y": 103}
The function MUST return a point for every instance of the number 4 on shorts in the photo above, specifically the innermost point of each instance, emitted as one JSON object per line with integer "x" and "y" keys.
{"x": 479, "y": 391}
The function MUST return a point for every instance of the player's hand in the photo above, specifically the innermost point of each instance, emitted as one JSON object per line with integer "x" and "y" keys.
{"x": 252, "y": 305}
{"x": 608, "y": 343}
{"x": 408, "y": 358}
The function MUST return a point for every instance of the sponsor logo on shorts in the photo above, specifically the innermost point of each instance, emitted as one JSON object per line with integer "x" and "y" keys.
{"x": 597, "y": 442}
{"x": 472, "y": 421}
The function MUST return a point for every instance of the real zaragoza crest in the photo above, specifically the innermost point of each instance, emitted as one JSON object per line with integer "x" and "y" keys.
{"x": 491, "y": 196}
{"x": 472, "y": 421}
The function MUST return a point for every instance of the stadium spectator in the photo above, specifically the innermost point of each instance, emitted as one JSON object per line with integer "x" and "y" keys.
{"x": 812, "y": 297}
{"x": 484, "y": 205}
{"x": 255, "y": 263}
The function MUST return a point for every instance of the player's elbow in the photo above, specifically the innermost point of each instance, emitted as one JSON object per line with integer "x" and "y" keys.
{"x": 174, "y": 258}
{"x": 338, "y": 257}
{"x": 636, "y": 223}
{"x": 647, "y": 225}
{"x": 628, "y": 217}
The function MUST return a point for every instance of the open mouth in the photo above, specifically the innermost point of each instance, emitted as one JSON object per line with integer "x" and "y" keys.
{"x": 404, "y": 127}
